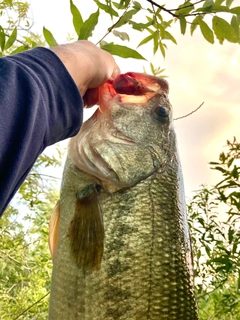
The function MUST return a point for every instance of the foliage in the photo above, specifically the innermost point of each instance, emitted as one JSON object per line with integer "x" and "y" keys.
{"x": 156, "y": 25}
{"x": 214, "y": 218}
{"x": 15, "y": 28}
{"x": 218, "y": 19}
{"x": 25, "y": 263}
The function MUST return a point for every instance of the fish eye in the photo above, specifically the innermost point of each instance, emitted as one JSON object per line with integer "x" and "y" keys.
{"x": 161, "y": 114}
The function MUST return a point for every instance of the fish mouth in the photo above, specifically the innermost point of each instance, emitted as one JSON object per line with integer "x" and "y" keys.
{"x": 131, "y": 87}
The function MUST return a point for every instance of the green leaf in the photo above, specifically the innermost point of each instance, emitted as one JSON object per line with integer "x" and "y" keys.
{"x": 117, "y": 5}
{"x": 235, "y": 10}
{"x": 49, "y": 37}
{"x": 122, "y": 35}
{"x": 194, "y": 24}
{"x": 183, "y": 23}
{"x": 89, "y": 25}
{"x": 125, "y": 18}
{"x": 208, "y": 3}
{"x": 220, "y": 169}
{"x": 77, "y": 18}
{"x": 20, "y": 49}
{"x": 219, "y": 2}
{"x": 2, "y": 38}
{"x": 162, "y": 31}
{"x": 238, "y": 281}
{"x": 167, "y": 24}
{"x": 140, "y": 26}
{"x": 235, "y": 25}
{"x": 234, "y": 172}
{"x": 229, "y": 3}
{"x": 206, "y": 31}
{"x": 11, "y": 39}
{"x": 107, "y": 8}
{"x": 184, "y": 9}
{"x": 152, "y": 68}
{"x": 222, "y": 157}
{"x": 230, "y": 234}
{"x": 223, "y": 30}
{"x": 123, "y": 4}
{"x": 137, "y": 5}
{"x": 145, "y": 40}
{"x": 216, "y": 8}
{"x": 170, "y": 37}
{"x": 122, "y": 51}
{"x": 155, "y": 41}
{"x": 208, "y": 250}
{"x": 161, "y": 46}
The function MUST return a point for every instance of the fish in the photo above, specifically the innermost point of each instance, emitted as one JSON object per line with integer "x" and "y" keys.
{"x": 119, "y": 235}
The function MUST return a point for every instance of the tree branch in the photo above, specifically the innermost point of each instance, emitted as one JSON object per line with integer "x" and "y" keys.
{"x": 112, "y": 27}
{"x": 36, "y": 174}
{"x": 162, "y": 8}
{"x": 187, "y": 6}
{"x": 170, "y": 11}
{"x": 186, "y": 115}
{"x": 24, "y": 311}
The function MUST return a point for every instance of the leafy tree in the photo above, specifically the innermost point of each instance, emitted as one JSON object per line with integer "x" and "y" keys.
{"x": 214, "y": 216}
{"x": 15, "y": 28}
{"x": 158, "y": 20}
{"x": 25, "y": 263}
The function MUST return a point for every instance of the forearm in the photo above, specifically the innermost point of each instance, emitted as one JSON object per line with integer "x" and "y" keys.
{"x": 39, "y": 105}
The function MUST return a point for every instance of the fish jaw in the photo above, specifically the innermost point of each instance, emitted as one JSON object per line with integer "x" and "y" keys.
{"x": 131, "y": 87}
{"x": 124, "y": 126}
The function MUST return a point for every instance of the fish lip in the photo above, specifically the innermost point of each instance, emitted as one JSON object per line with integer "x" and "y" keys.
{"x": 130, "y": 86}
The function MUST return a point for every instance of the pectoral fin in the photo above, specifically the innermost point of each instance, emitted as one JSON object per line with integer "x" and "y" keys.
{"x": 53, "y": 229}
{"x": 86, "y": 231}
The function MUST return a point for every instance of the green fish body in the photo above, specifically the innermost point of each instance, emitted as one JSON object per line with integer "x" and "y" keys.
{"x": 123, "y": 249}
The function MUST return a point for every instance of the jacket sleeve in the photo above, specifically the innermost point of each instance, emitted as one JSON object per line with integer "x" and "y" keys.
{"x": 39, "y": 105}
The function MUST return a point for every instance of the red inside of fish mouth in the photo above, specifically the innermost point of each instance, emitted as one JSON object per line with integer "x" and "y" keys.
{"x": 131, "y": 87}
{"x": 126, "y": 84}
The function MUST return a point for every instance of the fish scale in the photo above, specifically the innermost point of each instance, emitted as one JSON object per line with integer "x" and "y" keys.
{"x": 123, "y": 174}
{"x": 145, "y": 272}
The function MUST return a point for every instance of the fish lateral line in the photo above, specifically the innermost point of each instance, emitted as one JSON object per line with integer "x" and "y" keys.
{"x": 86, "y": 230}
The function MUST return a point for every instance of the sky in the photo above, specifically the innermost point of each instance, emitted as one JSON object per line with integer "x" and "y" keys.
{"x": 196, "y": 71}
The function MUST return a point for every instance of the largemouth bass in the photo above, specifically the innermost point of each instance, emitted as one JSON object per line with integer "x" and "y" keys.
{"x": 119, "y": 234}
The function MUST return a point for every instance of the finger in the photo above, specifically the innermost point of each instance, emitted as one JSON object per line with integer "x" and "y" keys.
{"x": 116, "y": 71}
{"x": 90, "y": 98}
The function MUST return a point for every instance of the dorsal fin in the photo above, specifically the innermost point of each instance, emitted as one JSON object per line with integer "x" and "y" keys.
{"x": 86, "y": 231}
{"x": 53, "y": 229}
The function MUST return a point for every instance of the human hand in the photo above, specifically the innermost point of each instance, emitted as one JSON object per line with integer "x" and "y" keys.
{"x": 89, "y": 67}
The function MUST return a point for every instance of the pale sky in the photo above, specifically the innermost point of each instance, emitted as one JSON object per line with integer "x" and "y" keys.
{"x": 197, "y": 72}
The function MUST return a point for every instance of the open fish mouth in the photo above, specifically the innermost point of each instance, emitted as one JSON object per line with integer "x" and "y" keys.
{"x": 121, "y": 129}
{"x": 132, "y": 91}
{"x": 131, "y": 88}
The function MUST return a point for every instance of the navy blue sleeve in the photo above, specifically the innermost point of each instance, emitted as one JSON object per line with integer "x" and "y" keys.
{"x": 40, "y": 104}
